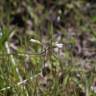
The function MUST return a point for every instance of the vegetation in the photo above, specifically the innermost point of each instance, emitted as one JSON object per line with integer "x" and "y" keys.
{"x": 48, "y": 48}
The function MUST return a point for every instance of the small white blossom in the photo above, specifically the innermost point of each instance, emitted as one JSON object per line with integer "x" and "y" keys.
{"x": 58, "y": 18}
{"x": 59, "y": 45}
{"x": 35, "y": 41}
{"x": 59, "y": 11}
{"x": 93, "y": 88}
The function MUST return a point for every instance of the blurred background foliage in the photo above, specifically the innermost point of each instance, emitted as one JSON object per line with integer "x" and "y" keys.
{"x": 59, "y": 34}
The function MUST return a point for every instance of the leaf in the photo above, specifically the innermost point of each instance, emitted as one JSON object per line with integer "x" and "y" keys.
{"x": 5, "y": 36}
{"x": 93, "y": 18}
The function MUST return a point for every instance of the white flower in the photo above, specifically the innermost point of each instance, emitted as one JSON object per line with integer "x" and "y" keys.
{"x": 59, "y": 45}
{"x": 93, "y": 88}
{"x": 35, "y": 41}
